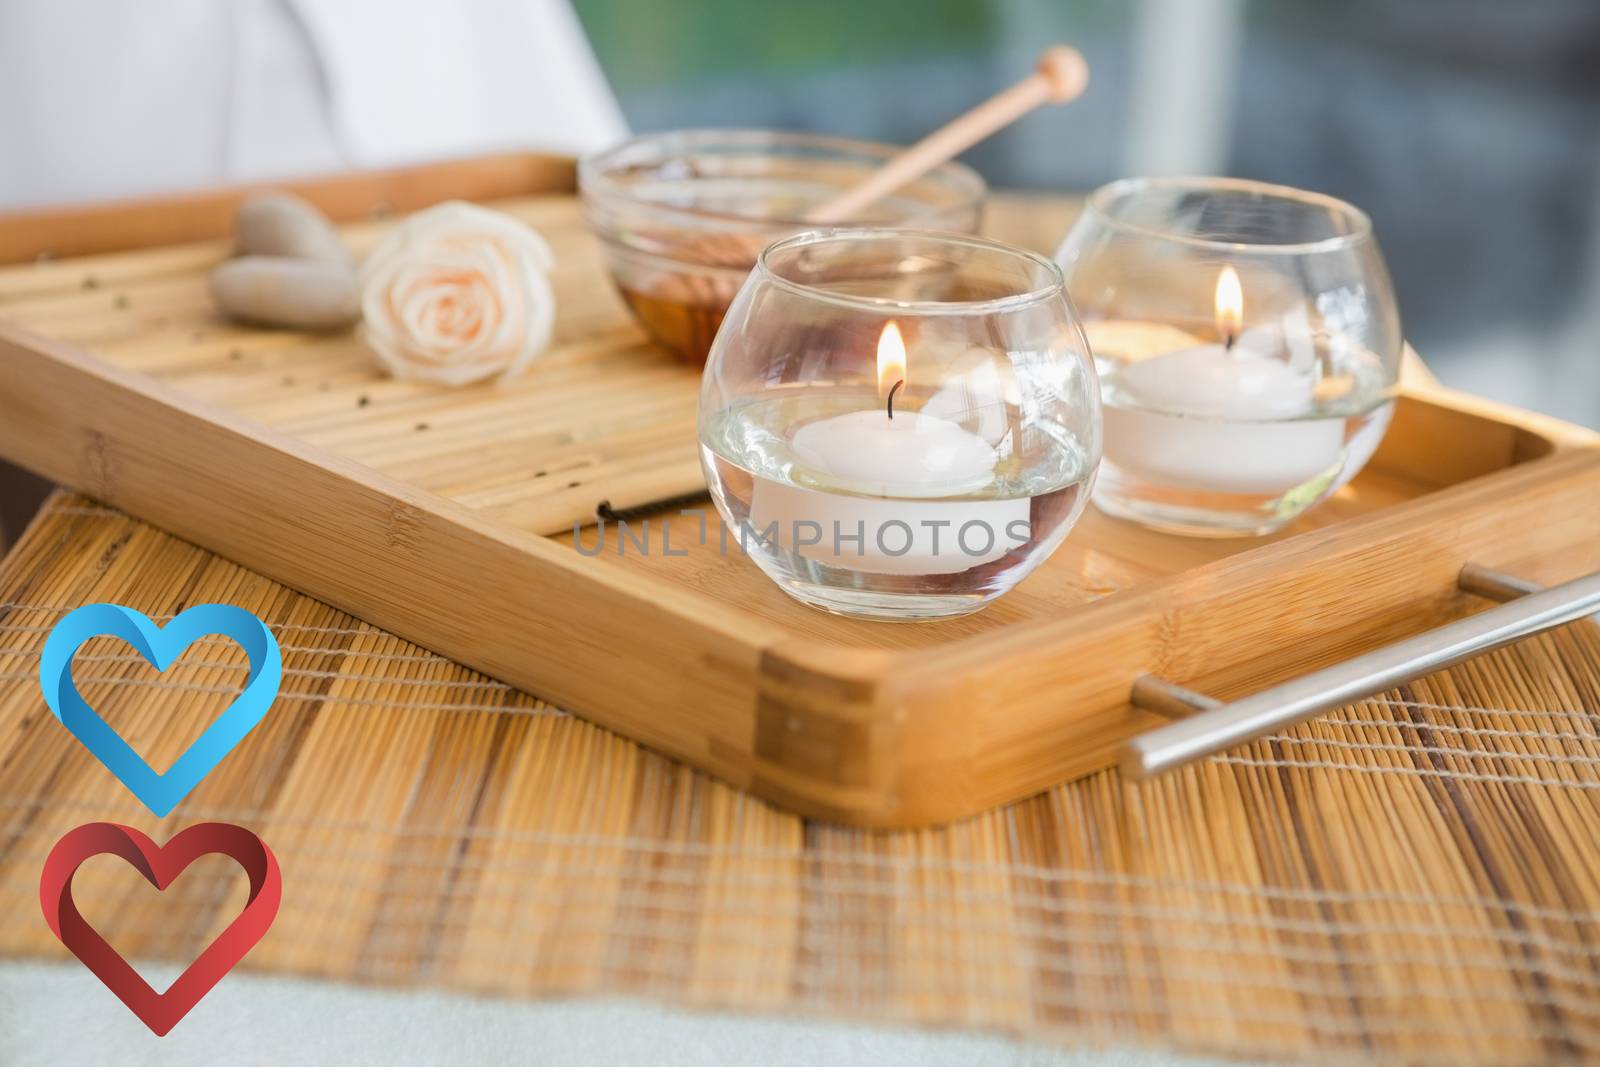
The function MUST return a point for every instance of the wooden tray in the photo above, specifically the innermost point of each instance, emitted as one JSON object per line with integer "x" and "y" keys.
{"x": 445, "y": 516}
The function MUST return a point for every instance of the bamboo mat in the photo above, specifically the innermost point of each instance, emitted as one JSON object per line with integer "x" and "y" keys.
{"x": 1413, "y": 878}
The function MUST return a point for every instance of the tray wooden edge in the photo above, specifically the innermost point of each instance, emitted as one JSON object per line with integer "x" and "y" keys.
{"x": 867, "y": 737}
{"x": 199, "y": 215}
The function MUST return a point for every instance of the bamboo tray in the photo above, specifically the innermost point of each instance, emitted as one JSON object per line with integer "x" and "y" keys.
{"x": 446, "y": 517}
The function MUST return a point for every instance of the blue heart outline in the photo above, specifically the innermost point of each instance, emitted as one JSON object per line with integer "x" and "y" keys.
{"x": 160, "y": 645}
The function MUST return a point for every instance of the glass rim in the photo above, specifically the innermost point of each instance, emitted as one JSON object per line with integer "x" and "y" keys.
{"x": 1054, "y": 286}
{"x": 594, "y": 168}
{"x": 1098, "y": 203}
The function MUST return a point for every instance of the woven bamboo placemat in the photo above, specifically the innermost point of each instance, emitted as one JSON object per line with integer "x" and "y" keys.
{"x": 1412, "y": 878}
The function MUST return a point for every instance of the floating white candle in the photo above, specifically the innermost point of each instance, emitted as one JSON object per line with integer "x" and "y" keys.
{"x": 910, "y": 454}
{"x": 888, "y": 469}
{"x": 1228, "y": 417}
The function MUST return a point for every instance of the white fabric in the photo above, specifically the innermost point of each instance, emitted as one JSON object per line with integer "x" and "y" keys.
{"x": 448, "y": 78}
{"x": 100, "y": 99}
{"x": 278, "y": 104}
{"x": 57, "y": 1015}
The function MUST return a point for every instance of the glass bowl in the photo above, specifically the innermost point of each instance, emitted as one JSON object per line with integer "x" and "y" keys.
{"x": 682, "y": 216}
{"x": 1248, "y": 346}
{"x": 899, "y": 424}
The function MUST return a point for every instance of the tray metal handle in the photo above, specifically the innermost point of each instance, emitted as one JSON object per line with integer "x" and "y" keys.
{"x": 1211, "y": 725}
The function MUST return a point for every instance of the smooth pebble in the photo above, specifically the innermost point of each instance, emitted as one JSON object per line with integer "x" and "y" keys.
{"x": 303, "y": 294}
{"x": 281, "y": 224}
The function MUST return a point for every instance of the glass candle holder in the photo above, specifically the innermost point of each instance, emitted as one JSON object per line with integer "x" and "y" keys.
{"x": 1248, "y": 347}
{"x": 899, "y": 424}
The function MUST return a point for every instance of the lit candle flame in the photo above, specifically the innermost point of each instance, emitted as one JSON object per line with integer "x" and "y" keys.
{"x": 891, "y": 359}
{"x": 891, "y": 365}
{"x": 1230, "y": 306}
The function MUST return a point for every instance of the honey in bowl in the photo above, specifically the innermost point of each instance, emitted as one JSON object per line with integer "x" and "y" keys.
{"x": 686, "y": 328}
{"x": 681, "y": 217}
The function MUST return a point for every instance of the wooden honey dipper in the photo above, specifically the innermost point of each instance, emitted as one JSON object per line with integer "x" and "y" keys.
{"x": 1059, "y": 77}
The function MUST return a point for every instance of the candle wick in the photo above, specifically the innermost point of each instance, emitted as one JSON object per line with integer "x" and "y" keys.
{"x": 892, "y": 390}
{"x": 1228, "y": 340}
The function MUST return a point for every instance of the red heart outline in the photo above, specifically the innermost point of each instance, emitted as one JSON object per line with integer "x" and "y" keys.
{"x": 160, "y": 865}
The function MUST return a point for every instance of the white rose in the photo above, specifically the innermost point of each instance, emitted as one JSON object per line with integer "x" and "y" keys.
{"x": 456, "y": 294}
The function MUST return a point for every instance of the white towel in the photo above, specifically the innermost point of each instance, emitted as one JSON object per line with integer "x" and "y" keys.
{"x": 100, "y": 100}
{"x": 415, "y": 79}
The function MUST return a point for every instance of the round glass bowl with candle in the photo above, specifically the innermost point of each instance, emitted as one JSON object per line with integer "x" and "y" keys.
{"x": 1248, "y": 346}
{"x": 682, "y": 216}
{"x": 899, "y": 424}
